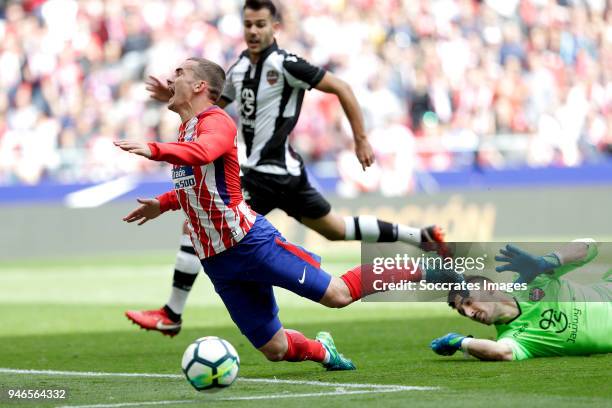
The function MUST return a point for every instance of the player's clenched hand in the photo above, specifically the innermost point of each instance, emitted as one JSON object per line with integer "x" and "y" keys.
{"x": 158, "y": 91}
{"x": 364, "y": 152}
{"x": 139, "y": 148}
{"x": 447, "y": 345}
{"x": 148, "y": 210}
{"x": 528, "y": 266}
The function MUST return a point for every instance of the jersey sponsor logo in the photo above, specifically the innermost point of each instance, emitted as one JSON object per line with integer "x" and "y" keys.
{"x": 303, "y": 277}
{"x": 272, "y": 77}
{"x": 536, "y": 294}
{"x": 183, "y": 177}
{"x": 248, "y": 122}
{"x": 554, "y": 321}
{"x": 574, "y": 325}
{"x": 247, "y": 102}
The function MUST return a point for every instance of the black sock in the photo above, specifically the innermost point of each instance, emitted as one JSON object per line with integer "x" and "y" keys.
{"x": 173, "y": 316}
{"x": 182, "y": 280}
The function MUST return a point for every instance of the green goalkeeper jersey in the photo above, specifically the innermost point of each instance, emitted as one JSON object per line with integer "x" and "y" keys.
{"x": 561, "y": 318}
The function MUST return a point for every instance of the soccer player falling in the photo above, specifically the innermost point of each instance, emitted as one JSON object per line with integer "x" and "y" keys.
{"x": 553, "y": 317}
{"x": 241, "y": 252}
{"x": 268, "y": 84}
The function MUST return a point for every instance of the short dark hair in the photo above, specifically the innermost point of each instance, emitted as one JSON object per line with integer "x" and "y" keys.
{"x": 260, "y": 4}
{"x": 212, "y": 73}
{"x": 465, "y": 293}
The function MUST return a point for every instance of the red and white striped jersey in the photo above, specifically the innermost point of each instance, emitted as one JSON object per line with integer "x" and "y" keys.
{"x": 206, "y": 178}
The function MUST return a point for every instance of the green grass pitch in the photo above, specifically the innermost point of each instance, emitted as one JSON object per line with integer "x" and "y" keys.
{"x": 67, "y": 315}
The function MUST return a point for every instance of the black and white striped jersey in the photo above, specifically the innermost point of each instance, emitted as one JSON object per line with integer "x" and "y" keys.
{"x": 269, "y": 96}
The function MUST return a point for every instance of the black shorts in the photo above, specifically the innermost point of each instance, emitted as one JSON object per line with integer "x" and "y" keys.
{"x": 292, "y": 194}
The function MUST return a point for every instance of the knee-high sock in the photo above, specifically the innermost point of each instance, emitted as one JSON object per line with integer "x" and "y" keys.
{"x": 368, "y": 228}
{"x": 300, "y": 348}
{"x": 186, "y": 271}
{"x": 360, "y": 279}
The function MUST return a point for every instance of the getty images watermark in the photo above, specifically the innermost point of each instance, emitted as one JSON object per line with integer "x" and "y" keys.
{"x": 398, "y": 272}
{"x": 409, "y": 273}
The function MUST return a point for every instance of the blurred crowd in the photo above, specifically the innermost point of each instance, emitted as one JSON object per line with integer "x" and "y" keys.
{"x": 444, "y": 84}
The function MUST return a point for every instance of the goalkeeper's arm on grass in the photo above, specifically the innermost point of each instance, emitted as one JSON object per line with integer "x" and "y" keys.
{"x": 482, "y": 349}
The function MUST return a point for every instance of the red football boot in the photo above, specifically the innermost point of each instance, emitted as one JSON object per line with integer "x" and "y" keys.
{"x": 155, "y": 320}
{"x": 432, "y": 239}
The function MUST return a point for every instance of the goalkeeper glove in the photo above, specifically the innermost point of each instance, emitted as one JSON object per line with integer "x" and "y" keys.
{"x": 528, "y": 266}
{"x": 447, "y": 345}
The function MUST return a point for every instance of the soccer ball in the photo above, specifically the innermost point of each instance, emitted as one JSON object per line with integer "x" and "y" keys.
{"x": 210, "y": 364}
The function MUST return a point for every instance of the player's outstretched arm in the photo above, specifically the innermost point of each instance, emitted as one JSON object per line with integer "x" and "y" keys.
{"x": 562, "y": 261}
{"x": 482, "y": 349}
{"x": 191, "y": 154}
{"x": 488, "y": 350}
{"x": 138, "y": 148}
{"x": 574, "y": 251}
{"x": 332, "y": 84}
{"x": 574, "y": 255}
{"x": 149, "y": 209}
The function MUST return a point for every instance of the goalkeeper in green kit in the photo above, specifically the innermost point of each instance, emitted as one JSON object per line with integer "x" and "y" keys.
{"x": 553, "y": 317}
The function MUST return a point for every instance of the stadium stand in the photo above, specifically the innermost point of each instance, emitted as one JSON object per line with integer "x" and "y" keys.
{"x": 446, "y": 85}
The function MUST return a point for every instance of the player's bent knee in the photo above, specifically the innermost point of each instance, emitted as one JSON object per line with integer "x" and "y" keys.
{"x": 343, "y": 301}
{"x": 274, "y": 356}
{"x": 330, "y": 227}
{"x": 276, "y": 348}
{"x": 334, "y": 235}
{"x": 337, "y": 295}
{"x": 339, "y": 301}
{"x": 274, "y": 353}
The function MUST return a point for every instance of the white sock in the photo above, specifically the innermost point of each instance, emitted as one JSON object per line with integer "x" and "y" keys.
{"x": 465, "y": 343}
{"x": 368, "y": 228}
{"x": 327, "y": 357}
{"x": 178, "y": 299}
{"x": 349, "y": 228}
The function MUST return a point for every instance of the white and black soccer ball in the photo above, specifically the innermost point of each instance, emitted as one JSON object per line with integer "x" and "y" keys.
{"x": 210, "y": 364}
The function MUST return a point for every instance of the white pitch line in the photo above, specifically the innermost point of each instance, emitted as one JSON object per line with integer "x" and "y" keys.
{"x": 241, "y": 379}
{"x": 129, "y": 404}
{"x": 344, "y": 385}
{"x": 249, "y": 398}
{"x": 85, "y": 373}
{"x": 312, "y": 394}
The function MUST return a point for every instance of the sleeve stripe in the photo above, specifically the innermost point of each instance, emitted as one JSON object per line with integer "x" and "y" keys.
{"x": 317, "y": 78}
